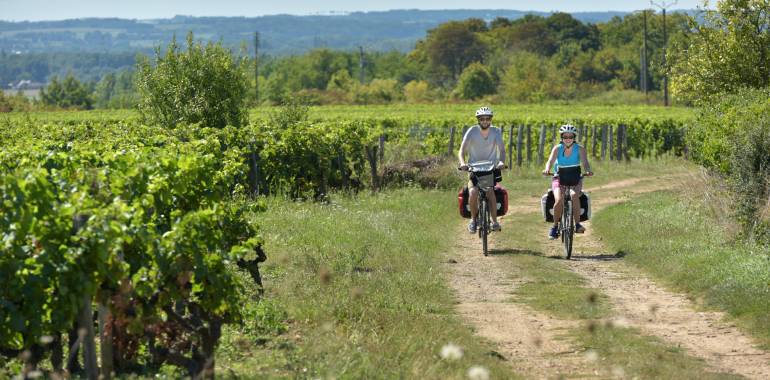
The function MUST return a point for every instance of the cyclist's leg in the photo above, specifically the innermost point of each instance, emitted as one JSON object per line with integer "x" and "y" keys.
{"x": 473, "y": 200}
{"x": 493, "y": 204}
{"x": 558, "y": 204}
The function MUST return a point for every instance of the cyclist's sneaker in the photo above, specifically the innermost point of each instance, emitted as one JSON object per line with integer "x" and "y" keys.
{"x": 472, "y": 227}
{"x": 554, "y": 233}
{"x": 496, "y": 226}
{"x": 579, "y": 229}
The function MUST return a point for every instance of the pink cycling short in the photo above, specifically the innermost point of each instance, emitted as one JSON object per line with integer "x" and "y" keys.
{"x": 556, "y": 186}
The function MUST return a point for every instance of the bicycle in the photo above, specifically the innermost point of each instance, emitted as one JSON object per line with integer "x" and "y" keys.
{"x": 483, "y": 178}
{"x": 567, "y": 224}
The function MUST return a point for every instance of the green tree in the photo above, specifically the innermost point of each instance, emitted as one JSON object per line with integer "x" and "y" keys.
{"x": 204, "y": 84}
{"x": 116, "y": 91}
{"x": 417, "y": 91}
{"x": 69, "y": 93}
{"x": 533, "y": 78}
{"x": 729, "y": 50}
{"x": 453, "y": 46}
{"x": 475, "y": 81}
{"x": 378, "y": 91}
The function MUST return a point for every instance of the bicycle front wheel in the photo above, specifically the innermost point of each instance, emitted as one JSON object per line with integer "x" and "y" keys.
{"x": 484, "y": 227}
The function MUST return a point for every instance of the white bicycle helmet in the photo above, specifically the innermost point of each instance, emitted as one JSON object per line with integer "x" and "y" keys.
{"x": 567, "y": 128}
{"x": 484, "y": 111}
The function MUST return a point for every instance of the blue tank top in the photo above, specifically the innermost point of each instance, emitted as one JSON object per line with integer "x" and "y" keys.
{"x": 564, "y": 161}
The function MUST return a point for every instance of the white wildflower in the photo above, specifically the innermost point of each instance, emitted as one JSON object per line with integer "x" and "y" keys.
{"x": 478, "y": 373}
{"x": 451, "y": 351}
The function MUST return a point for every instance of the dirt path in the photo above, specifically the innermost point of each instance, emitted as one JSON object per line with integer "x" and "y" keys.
{"x": 531, "y": 337}
{"x": 531, "y": 340}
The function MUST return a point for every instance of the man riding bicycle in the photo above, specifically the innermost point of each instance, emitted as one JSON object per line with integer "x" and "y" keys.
{"x": 482, "y": 143}
{"x": 566, "y": 154}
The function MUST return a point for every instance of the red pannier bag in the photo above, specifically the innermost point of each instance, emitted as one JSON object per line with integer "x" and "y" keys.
{"x": 501, "y": 195}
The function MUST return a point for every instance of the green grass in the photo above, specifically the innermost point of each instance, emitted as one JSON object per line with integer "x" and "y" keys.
{"x": 626, "y": 353}
{"x": 557, "y": 291}
{"x": 549, "y": 287}
{"x": 678, "y": 241}
{"x": 361, "y": 291}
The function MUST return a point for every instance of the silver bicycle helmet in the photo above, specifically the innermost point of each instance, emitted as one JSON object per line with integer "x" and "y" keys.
{"x": 484, "y": 111}
{"x": 567, "y": 128}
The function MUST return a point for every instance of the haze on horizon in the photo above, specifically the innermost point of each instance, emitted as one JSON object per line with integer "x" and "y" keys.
{"x": 40, "y": 10}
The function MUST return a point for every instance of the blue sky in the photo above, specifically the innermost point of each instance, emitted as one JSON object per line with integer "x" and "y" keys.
{"x": 35, "y": 10}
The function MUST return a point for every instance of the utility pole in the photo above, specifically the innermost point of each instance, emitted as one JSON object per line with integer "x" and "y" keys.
{"x": 645, "y": 72}
{"x": 663, "y": 5}
{"x": 256, "y": 67}
{"x": 361, "y": 64}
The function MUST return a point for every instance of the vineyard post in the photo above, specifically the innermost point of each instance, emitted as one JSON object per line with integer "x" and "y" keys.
{"x": 510, "y": 147}
{"x": 611, "y": 140}
{"x": 343, "y": 172}
{"x": 450, "y": 148}
{"x": 593, "y": 140}
{"x": 255, "y": 170}
{"x": 519, "y": 137}
{"x": 529, "y": 144}
{"x": 371, "y": 153}
{"x": 604, "y": 141}
{"x": 579, "y": 135}
{"x": 85, "y": 318}
{"x": 619, "y": 153}
{"x": 465, "y": 129}
{"x": 541, "y": 145}
{"x": 625, "y": 143}
{"x": 382, "y": 149}
{"x": 554, "y": 131}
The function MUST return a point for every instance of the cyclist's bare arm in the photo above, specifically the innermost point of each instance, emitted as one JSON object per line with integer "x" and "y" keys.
{"x": 461, "y": 153}
{"x": 501, "y": 149}
{"x": 584, "y": 159}
{"x": 551, "y": 160}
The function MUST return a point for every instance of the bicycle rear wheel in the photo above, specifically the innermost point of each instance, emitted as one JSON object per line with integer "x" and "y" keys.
{"x": 568, "y": 228}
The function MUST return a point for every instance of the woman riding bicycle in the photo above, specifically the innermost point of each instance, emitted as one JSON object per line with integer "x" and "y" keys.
{"x": 566, "y": 154}
{"x": 482, "y": 142}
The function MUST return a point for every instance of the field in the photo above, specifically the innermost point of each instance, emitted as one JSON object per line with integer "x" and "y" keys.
{"x": 369, "y": 271}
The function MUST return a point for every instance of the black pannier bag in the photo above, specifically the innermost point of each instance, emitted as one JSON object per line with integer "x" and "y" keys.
{"x": 547, "y": 201}
{"x": 569, "y": 176}
{"x": 501, "y": 196}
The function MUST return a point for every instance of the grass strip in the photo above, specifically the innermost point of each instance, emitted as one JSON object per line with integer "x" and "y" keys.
{"x": 676, "y": 240}
{"x": 359, "y": 286}
{"x": 627, "y": 354}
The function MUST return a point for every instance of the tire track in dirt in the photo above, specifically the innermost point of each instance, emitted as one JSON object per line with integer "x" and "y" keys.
{"x": 639, "y": 302}
{"x": 532, "y": 341}
{"x": 528, "y": 339}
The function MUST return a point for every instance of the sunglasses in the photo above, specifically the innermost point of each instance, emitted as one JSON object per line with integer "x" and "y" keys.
{"x": 485, "y": 118}
{"x": 568, "y": 137}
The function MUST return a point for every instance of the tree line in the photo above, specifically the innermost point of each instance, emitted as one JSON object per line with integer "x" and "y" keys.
{"x": 529, "y": 59}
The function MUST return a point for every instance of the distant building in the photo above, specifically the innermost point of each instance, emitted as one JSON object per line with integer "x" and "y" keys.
{"x": 25, "y": 84}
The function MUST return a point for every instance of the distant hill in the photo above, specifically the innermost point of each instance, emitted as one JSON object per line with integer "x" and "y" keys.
{"x": 279, "y": 34}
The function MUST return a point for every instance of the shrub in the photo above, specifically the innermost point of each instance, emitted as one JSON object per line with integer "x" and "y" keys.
{"x": 204, "y": 84}
{"x": 475, "y": 82}
{"x": 730, "y": 136}
{"x": 417, "y": 91}
{"x": 378, "y": 91}
{"x": 69, "y": 93}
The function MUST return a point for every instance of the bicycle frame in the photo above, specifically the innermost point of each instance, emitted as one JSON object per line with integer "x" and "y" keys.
{"x": 483, "y": 216}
